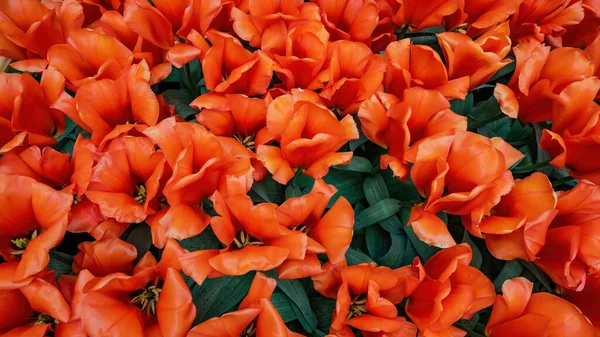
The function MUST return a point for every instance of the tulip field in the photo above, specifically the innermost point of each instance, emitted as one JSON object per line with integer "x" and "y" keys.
{"x": 290, "y": 168}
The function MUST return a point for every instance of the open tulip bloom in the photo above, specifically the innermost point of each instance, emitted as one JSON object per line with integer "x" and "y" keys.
{"x": 299, "y": 168}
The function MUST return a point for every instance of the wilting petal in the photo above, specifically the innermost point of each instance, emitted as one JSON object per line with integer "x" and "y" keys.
{"x": 430, "y": 229}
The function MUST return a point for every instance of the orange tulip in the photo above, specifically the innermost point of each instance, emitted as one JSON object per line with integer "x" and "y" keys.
{"x": 478, "y": 59}
{"x": 201, "y": 164}
{"x": 396, "y": 124}
{"x": 585, "y": 32}
{"x": 539, "y": 78}
{"x": 518, "y": 312}
{"x": 256, "y": 316}
{"x": 103, "y": 104}
{"x": 31, "y": 307}
{"x": 253, "y": 236}
{"x": 366, "y": 21}
{"x": 448, "y": 171}
{"x": 105, "y": 257}
{"x": 575, "y": 132}
{"x": 484, "y": 14}
{"x": 572, "y": 242}
{"x": 309, "y": 135}
{"x": 266, "y": 20}
{"x": 451, "y": 290}
{"x": 354, "y": 74}
{"x": 421, "y": 15}
{"x": 585, "y": 299}
{"x": 111, "y": 305}
{"x": 410, "y": 65}
{"x": 125, "y": 179}
{"x": 30, "y": 112}
{"x": 517, "y": 228}
{"x": 46, "y": 165}
{"x": 34, "y": 219}
{"x": 537, "y": 20}
{"x": 366, "y": 296}
{"x": 79, "y": 61}
{"x": 330, "y": 233}
{"x": 31, "y": 26}
{"x": 301, "y": 55}
{"x": 112, "y": 23}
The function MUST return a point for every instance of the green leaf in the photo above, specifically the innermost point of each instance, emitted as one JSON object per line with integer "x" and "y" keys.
{"x": 192, "y": 77}
{"x": 394, "y": 258}
{"x": 378, "y": 241}
{"x": 205, "y": 240}
{"x": 354, "y": 257}
{"x": 477, "y": 258}
{"x": 539, "y": 275}
{"x": 180, "y": 100}
{"x": 486, "y": 110}
{"x": 220, "y": 295}
{"x": 349, "y": 185}
{"x": 70, "y": 126}
{"x": 298, "y": 301}
{"x": 400, "y": 190}
{"x": 141, "y": 238}
{"x": 292, "y": 191}
{"x": 379, "y": 211}
{"x": 323, "y": 308}
{"x": 462, "y": 107}
{"x": 507, "y": 69}
{"x": 428, "y": 40}
{"x": 375, "y": 189}
{"x": 283, "y": 306}
{"x": 392, "y": 225}
{"x": 358, "y": 164}
{"x": 174, "y": 76}
{"x": 61, "y": 263}
{"x": 510, "y": 270}
{"x": 355, "y": 143}
{"x": 269, "y": 190}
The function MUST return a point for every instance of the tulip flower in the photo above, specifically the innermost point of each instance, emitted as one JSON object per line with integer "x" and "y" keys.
{"x": 574, "y": 132}
{"x": 518, "y": 224}
{"x": 153, "y": 298}
{"x": 45, "y": 165}
{"x": 448, "y": 170}
{"x": 125, "y": 179}
{"x": 329, "y": 233}
{"x": 309, "y": 135}
{"x": 585, "y": 299}
{"x": 30, "y": 28}
{"x": 518, "y": 311}
{"x": 421, "y": 15}
{"x": 410, "y": 65}
{"x": 585, "y": 32}
{"x": 201, "y": 163}
{"x": 262, "y": 24}
{"x": 451, "y": 290}
{"x": 366, "y": 296}
{"x": 540, "y": 76}
{"x": 30, "y": 112}
{"x": 368, "y": 21}
{"x": 396, "y": 124}
{"x": 478, "y": 59}
{"x": 31, "y": 307}
{"x": 105, "y": 257}
{"x": 34, "y": 219}
{"x": 484, "y": 14}
{"x": 79, "y": 61}
{"x": 354, "y": 75}
{"x": 256, "y": 316}
{"x": 103, "y": 104}
{"x": 537, "y": 21}
{"x": 572, "y": 246}
{"x": 300, "y": 57}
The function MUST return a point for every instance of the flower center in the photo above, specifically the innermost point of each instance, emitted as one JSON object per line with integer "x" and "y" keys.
{"x": 140, "y": 195}
{"x": 76, "y": 199}
{"x": 243, "y": 239}
{"x": 301, "y": 228}
{"x": 357, "y": 306}
{"x": 247, "y": 141}
{"x": 46, "y": 319}
{"x": 20, "y": 243}
{"x": 147, "y": 299}
{"x": 249, "y": 331}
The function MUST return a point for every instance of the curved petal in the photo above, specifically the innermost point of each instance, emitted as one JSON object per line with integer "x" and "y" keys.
{"x": 249, "y": 258}
{"x": 102, "y": 315}
{"x": 175, "y": 310}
